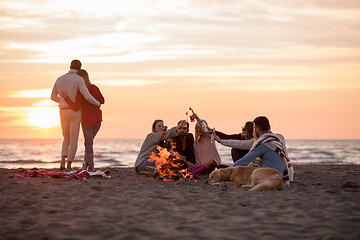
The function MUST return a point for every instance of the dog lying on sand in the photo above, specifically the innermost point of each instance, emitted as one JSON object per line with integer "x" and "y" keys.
{"x": 255, "y": 178}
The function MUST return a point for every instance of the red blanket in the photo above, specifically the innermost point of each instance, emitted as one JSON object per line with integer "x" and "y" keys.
{"x": 31, "y": 173}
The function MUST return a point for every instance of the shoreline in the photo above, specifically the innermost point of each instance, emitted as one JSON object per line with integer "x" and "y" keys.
{"x": 322, "y": 203}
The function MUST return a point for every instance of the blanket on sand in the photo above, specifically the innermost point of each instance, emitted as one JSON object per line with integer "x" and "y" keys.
{"x": 79, "y": 174}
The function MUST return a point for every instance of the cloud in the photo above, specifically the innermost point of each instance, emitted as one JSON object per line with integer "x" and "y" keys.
{"x": 126, "y": 83}
{"x": 15, "y": 116}
{"x": 156, "y": 26}
{"x": 43, "y": 113}
{"x": 45, "y": 103}
{"x": 33, "y": 93}
{"x": 193, "y": 37}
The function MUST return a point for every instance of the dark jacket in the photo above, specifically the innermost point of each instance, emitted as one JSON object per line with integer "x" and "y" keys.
{"x": 186, "y": 150}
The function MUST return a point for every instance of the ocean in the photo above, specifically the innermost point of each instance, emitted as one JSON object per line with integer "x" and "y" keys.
{"x": 45, "y": 153}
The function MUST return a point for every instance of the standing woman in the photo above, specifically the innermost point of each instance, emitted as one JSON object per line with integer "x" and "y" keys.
{"x": 91, "y": 118}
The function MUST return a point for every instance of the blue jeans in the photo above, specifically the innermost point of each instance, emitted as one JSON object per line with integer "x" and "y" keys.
{"x": 144, "y": 164}
{"x": 89, "y": 135}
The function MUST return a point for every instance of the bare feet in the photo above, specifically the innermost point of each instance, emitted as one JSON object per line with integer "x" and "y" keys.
{"x": 62, "y": 163}
{"x": 68, "y": 167}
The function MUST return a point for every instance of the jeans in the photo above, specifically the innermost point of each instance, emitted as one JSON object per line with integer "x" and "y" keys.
{"x": 144, "y": 164}
{"x": 70, "y": 125}
{"x": 89, "y": 135}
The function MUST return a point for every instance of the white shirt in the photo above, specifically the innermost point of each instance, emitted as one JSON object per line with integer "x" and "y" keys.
{"x": 238, "y": 144}
{"x": 71, "y": 83}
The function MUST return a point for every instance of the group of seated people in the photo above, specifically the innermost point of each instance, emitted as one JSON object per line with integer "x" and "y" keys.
{"x": 256, "y": 145}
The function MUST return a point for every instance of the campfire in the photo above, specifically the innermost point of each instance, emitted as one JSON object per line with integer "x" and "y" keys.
{"x": 170, "y": 166}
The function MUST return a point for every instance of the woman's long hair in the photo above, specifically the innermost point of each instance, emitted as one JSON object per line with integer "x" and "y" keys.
{"x": 83, "y": 73}
{"x": 197, "y": 137}
{"x": 249, "y": 130}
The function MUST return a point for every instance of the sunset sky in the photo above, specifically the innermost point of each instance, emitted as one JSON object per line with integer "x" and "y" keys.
{"x": 296, "y": 62}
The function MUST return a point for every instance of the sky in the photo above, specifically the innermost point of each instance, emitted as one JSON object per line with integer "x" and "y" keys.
{"x": 295, "y": 62}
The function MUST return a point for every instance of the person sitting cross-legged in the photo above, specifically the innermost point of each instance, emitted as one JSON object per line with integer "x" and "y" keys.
{"x": 270, "y": 148}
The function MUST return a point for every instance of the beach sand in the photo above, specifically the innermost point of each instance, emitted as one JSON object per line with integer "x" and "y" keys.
{"x": 322, "y": 203}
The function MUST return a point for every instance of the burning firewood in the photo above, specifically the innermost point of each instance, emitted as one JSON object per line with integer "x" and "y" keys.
{"x": 170, "y": 166}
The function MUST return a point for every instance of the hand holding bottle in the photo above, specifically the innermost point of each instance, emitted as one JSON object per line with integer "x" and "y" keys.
{"x": 201, "y": 122}
{"x": 217, "y": 138}
{"x": 213, "y": 135}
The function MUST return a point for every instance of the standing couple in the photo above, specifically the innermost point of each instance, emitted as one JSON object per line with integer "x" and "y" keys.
{"x": 79, "y": 102}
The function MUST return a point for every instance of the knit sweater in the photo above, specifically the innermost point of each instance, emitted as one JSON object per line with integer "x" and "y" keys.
{"x": 71, "y": 83}
{"x": 150, "y": 143}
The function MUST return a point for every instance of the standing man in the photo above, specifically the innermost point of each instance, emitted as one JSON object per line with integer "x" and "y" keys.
{"x": 270, "y": 148}
{"x": 70, "y": 83}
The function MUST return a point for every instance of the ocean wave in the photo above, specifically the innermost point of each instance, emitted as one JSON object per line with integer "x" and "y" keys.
{"x": 326, "y": 153}
{"x": 107, "y": 160}
{"x": 123, "y": 153}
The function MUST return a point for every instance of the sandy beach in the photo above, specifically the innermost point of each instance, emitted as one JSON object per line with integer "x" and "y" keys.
{"x": 322, "y": 203}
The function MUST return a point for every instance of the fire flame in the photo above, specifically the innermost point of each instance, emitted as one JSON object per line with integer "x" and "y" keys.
{"x": 170, "y": 165}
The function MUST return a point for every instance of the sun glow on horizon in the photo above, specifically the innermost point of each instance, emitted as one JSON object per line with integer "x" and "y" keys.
{"x": 44, "y": 117}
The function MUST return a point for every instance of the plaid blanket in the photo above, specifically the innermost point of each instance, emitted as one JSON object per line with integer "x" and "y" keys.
{"x": 80, "y": 174}
{"x": 273, "y": 142}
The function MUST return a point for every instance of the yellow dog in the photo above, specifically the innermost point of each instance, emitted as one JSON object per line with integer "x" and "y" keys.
{"x": 253, "y": 177}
